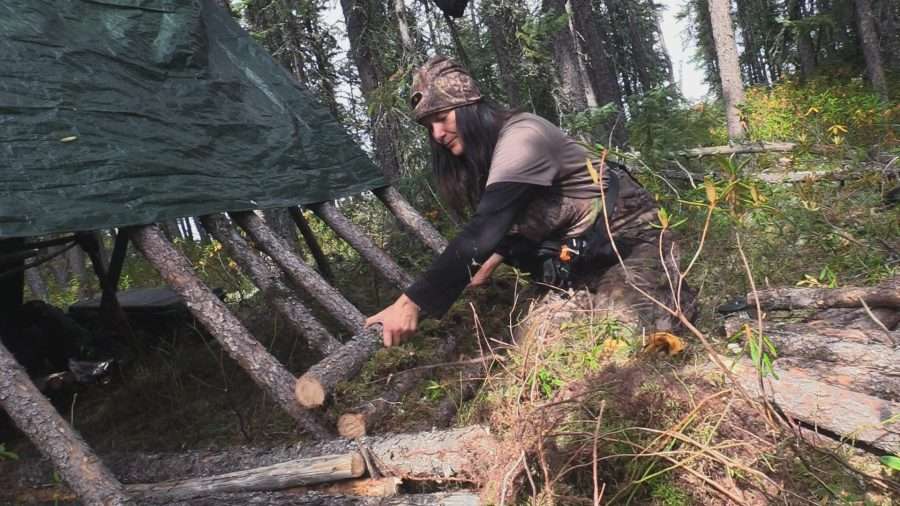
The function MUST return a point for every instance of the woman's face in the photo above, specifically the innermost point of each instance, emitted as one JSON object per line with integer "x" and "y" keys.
{"x": 443, "y": 130}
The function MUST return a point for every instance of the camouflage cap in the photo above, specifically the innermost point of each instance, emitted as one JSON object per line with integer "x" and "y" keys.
{"x": 439, "y": 85}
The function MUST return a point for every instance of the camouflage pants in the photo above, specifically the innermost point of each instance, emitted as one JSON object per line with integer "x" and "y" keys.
{"x": 612, "y": 288}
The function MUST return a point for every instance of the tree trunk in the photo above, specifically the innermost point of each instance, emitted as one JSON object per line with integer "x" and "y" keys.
{"x": 349, "y": 232}
{"x": 501, "y": 22}
{"x": 888, "y": 20}
{"x": 293, "y": 473}
{"x": 857, "y": 417}
{"x": 411, "y": 218}
{"x": 599, "y": 66}
{"x": 360, "y": 17}
{"x": 252, "y": 356}
{"x": 805, "y": 50}
{"x": 729, "y": 70}
{"x": 570, "y": 75}
{"x": 271, "y": 284}
{"x": 877, "y": 383}
{"x": 38, "y": 419}
{"x": 868, "y": 38}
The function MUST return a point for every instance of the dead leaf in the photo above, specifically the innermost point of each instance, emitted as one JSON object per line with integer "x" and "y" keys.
{"x": 664, "y": 341}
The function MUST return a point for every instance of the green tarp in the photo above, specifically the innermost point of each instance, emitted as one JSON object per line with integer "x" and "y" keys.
{"x": 124, "y": 112}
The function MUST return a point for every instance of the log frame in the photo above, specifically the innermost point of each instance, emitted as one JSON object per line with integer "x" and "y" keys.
{"x": 311, "y": 242}
{"x": 78, "y": 465}
{"x": 358, "y": 240}
{"x": 235, "y": 339}
{"x": 299, "y": 272}
{"x": 408, "y": 216}
{"x": 271, "y": 284}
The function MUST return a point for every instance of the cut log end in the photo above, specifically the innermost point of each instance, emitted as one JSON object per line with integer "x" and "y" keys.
{"x": 357, "y": 465}
{"x": 309, "y": 392}
{"x": 352, "y": 425}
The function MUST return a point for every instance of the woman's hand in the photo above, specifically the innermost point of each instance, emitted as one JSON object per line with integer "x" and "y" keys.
{"x": 484, "y": 272}
{"x": 398, "y": 321}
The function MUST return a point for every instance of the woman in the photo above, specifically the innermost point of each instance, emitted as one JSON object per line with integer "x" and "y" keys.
{"x": 527, "y": 181}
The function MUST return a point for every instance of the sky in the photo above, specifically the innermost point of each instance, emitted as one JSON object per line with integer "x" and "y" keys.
{"x": 681, "y": 49}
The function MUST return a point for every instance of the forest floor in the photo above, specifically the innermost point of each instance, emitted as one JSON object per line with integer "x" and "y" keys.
{"x": 663, "y": 429}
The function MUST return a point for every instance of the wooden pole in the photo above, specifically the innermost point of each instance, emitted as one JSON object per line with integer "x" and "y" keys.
{"x": 224, "y": 326}
{"x": 271, "y": 284}
{"x": 38, "y": 419}
{"x": 299, "y": 273}
{"x": 114, "y": 317}
{"x": 362, "y": 243}
{"x": 408, "y": 215}
{"x": 794, "y": 298}
{"x": 319, "y": 381}
{"x": 279, "y": 476}
{"x": 311, "y": 242}
{"x": 359, "y": 420}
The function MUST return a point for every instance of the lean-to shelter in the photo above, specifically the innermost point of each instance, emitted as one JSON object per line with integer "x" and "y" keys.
{"x": 119, "y": 114}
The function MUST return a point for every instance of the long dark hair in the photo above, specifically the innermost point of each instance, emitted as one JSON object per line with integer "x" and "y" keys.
{"x": 461, "y": 180}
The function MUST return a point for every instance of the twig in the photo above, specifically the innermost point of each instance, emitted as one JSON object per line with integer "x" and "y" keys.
{"x": 506, "y": 479}
{"x": 876, "y": 320}
{"x": 598, "y": 492}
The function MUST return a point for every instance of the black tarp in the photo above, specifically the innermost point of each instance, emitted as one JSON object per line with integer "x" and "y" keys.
{"x": 123, "y": 112}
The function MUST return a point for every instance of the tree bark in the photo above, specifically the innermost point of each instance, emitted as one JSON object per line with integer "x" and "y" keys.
{"x": 821, "y": 298}
{"x": 301, "y": 274}
{"x": 38, "y": 419}
{"x": 501, "y": 23}
{"x": 311, "y": 242}
{"x": 868, "y": 37}
{"x": 280, "y": 221}
{"x": 877, "y": 383}
{"x": 805, "y": 50}
{"x": 360, "y": 17}
{"x": 359, "y": 420}
{"x": 572, "y": 96}
{"x": 408, "y": 216}
{"x": 459, "y": 498}
{"x": 854, "y": 416}
{"x": 460, "y": 454}
{"x": 293, "y": 473}
{"x": 358, "y": 239}
{"x": 252, "y": 356}
{"x": 729, "y": 70}
{"x": 319, "y": 381}
{"x": 271, "y": 284}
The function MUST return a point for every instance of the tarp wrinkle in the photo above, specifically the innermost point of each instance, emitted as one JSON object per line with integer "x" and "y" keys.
{"x": 128, "y": 112}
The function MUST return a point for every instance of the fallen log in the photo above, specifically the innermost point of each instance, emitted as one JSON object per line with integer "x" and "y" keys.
{"x": 356, "y": 238}
{"x": 408, "y": 215}
{"x": 821, "y": 298}
{"x": 856, "y": 417}
{"x": 359, "y": 420}
{"x": 296, "y": 472}
{"x": 299, "y": 273}
{"x": 837, "y": 346}
{"x": 316, "y": 499}
{"x": 462, "y": 455}
{"x": 271, "y": 284}
{"x": 235, "y": 339}
{"x": 738, "y": 149}
{"x": 856, "y": 318}
{"x": 360, "y": 487}
{"x": 875, "y": 382}
{"x": 38, "y": 419}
